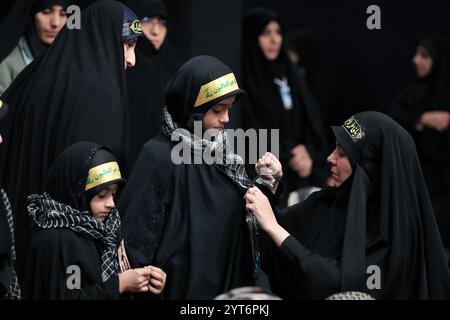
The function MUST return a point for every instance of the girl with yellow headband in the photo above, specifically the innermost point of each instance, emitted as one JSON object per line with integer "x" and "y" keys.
{"x": 74, "y": 246}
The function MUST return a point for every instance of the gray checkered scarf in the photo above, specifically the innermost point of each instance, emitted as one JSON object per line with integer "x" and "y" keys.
{"x": 231, "y": 164}
{"x": 14, "y": 288}
{"x": 48, "y": 213}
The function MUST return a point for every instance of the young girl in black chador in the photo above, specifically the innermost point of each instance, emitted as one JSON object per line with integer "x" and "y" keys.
{"x": 188, "y": 216}
{"x": 74, "y": 247}
{"x": 75, "y": 91}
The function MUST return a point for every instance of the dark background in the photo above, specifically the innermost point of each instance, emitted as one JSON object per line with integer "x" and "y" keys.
{"x": 362, "y": 68}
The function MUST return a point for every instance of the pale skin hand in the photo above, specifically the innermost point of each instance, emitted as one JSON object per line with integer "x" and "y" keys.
{"x": 157, "y": 280}
{"x": 268, "y": 160}
{"x": 134, "y": 280}
{"x": 258, "y": 203}
{"x": 301, "y": 161}
{"x": 438, "y": 120}
{"x": 145, "y": 279}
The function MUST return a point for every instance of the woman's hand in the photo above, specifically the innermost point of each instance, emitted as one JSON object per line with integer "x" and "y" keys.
{"x": 157, "y": 280}
{"x": 438, "y": 120}
{"x": 258, "y": 203}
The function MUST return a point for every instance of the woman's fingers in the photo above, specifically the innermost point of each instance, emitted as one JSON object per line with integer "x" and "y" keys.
{"x": 252, "y": 207}
{"x": 154, "y": 290}
{"x": 156, "y": 283}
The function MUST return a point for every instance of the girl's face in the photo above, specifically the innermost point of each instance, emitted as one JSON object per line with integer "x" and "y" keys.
{"x": 49, "y": 23}
{"x": 270, "y": 41}
{"x": 216, "y": 117}
{"x": 423, "y": 62}
{"x": 103, "y": 202}
{"x": 341, "y": 168}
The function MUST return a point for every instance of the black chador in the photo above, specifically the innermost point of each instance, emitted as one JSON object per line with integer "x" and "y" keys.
{"x": 74, "y": 92}
{"x": 189, "y": 219}
{"x": 376, "y": 233}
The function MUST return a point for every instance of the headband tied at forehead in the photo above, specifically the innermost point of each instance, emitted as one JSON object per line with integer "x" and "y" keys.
{"x": 350, "y": 136}
{"x": 353, "y": 129}
{"x": 103, "y": 174}
{"x": 131, "y": 28}
{"x": 216, "y": 89}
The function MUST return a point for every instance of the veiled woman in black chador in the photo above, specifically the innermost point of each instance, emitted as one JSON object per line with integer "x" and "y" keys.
{"x": 74, "y": 248}
{"x": 74, "y": 92}
{"x": 188, "y": 218}
{"x": 278, "y": 97}
{"x": 28, "y": 29}
{"x": 156, "y": 63}
{"x": 423, "y": 108}
{"x": 374, "y": 231}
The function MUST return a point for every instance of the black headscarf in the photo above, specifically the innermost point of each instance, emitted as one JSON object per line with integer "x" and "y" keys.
{"x": 76, "y": 91}
{"x": 198, "y": 85}
{"x": 146, "y": 83}
{"x": 437, "y": 94}
{"x": 266, "y": 110}
{"x": 20, "y": 21}
{"x": 381, "y": 215}
{"x": 78, "y": 174}
{"x": 148, "y": 8}
{"x": 210, "y": 81}
{"x": 68, "y": 176}
{"x": 304, "y": 43}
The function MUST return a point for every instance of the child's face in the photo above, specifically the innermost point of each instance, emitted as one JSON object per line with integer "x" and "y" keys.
{"x": 103, "y": 202}
{"x": 217, "y": 117}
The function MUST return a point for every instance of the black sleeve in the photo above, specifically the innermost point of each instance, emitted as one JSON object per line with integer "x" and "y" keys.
{"x": 319, "y": 271}
{"x": 297, "y": 273}
{"x": 404, "y": 110}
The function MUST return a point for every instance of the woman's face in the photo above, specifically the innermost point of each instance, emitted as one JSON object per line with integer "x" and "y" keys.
{"x": 155, "y": 29}
{"x": 103, "y": 202}
{"x": 270, "y": 41}
{"x": 49, "y": 23}
{"x": 128, "y": 53}
{"x": 341, "y": 168}
{"x": 216, "y": 117}
{"x": 423, "y": 62}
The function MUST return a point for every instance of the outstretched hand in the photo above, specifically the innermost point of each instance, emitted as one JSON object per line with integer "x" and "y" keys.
{"x": 258, "y": 203}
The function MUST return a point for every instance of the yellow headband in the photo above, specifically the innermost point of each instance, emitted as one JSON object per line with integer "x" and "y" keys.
{"x": 216, "y": 89}
{"x": 101, "y": 174}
